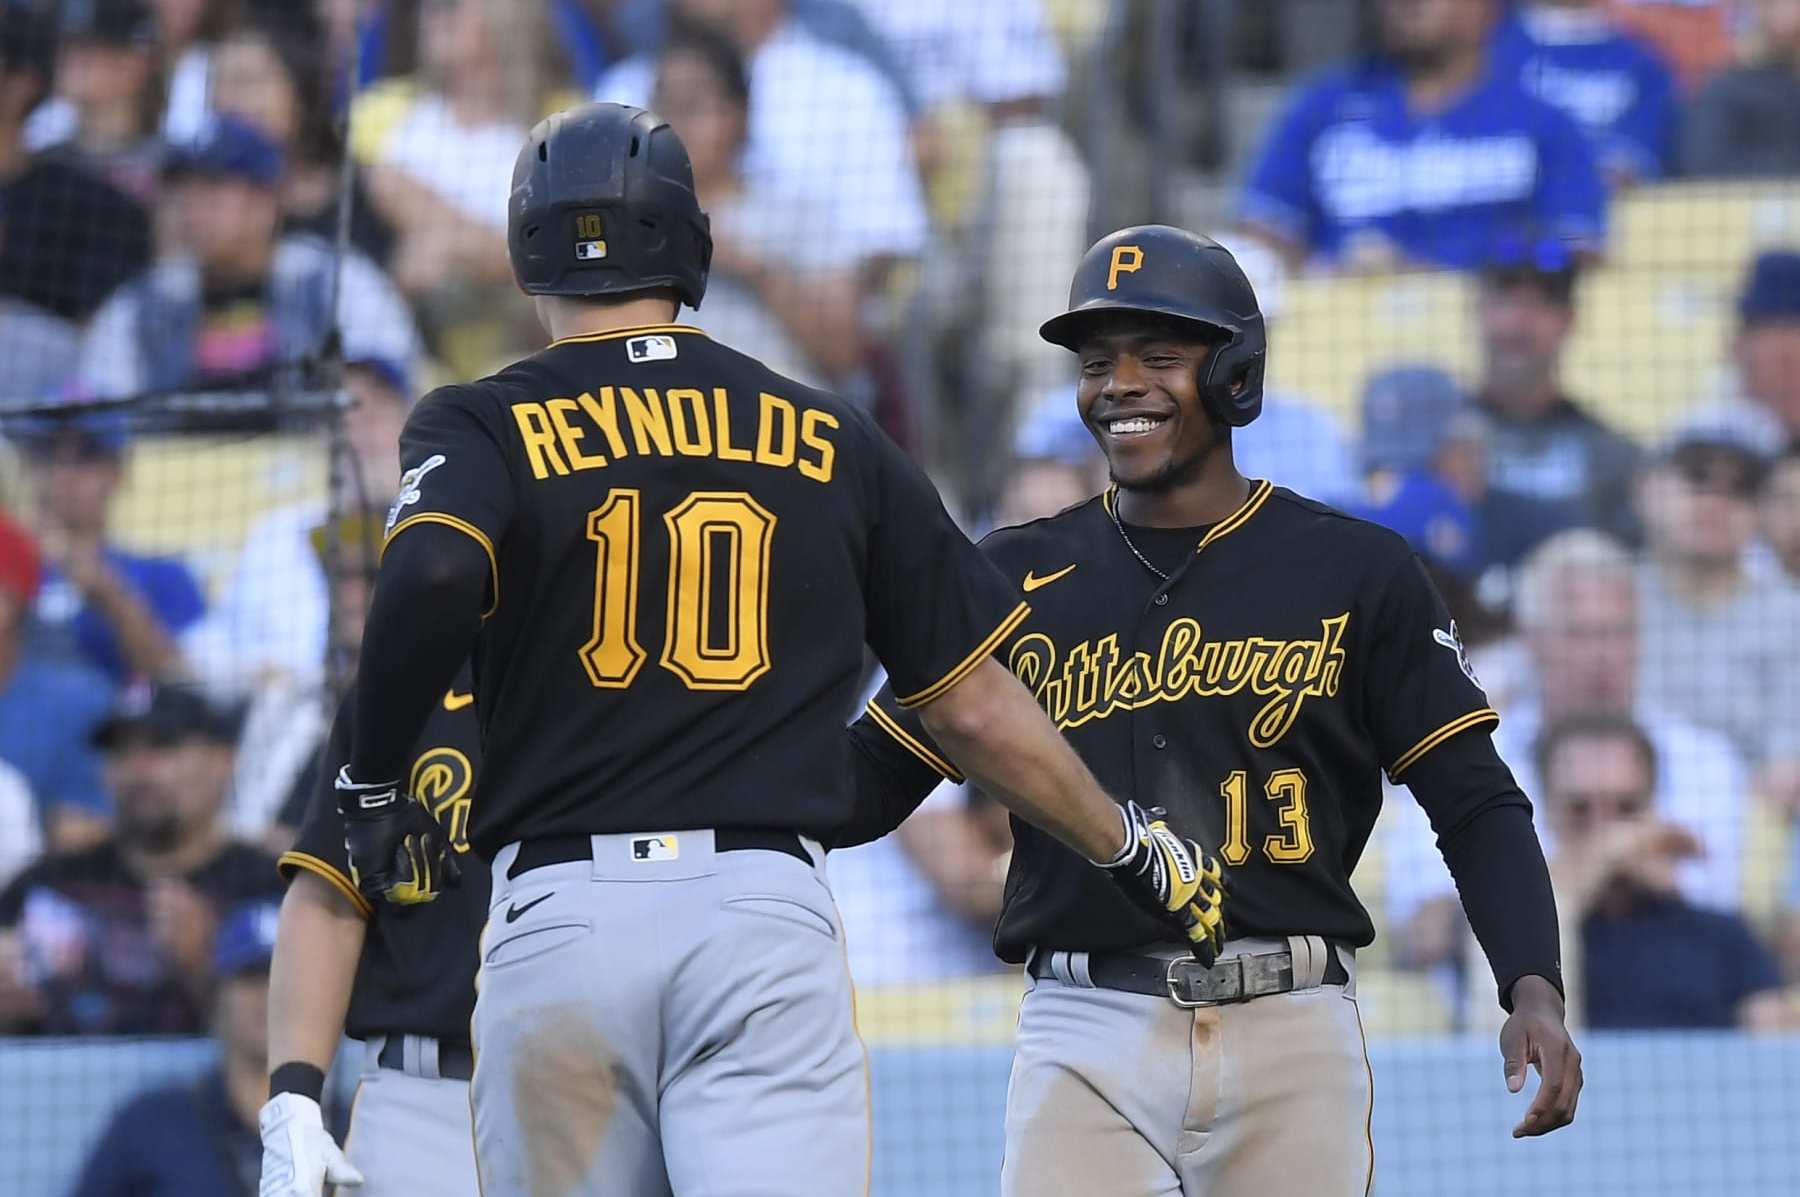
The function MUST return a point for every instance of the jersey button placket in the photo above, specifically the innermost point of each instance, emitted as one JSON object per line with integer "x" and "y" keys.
{"x": 1162, "y": 599}
{"x": 1159, "y": 741}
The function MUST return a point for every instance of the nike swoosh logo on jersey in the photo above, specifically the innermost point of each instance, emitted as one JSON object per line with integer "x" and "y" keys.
{"x": 513, "y": 912}
{"x": 1032, "y": 581}
{"x": 456, "y": 702}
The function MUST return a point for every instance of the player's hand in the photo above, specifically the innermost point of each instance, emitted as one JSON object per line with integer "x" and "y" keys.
{"x": 299, "y": 1155}
{"x": 1173, "y": 878}
{"x": 1535, "y": 1034}
{"x": 398, "y": 852}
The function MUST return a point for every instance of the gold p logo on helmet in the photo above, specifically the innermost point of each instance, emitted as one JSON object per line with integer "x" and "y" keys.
{"x": 1126, "y": 259}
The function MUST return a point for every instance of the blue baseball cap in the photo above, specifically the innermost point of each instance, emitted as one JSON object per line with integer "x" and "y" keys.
{"x": 1407, "y": 414}
{"x": 246, "y": 939}
{"x": 228, "y": 147}
{"x": 1772, "y": 291}
{"x": 392, "y": 374}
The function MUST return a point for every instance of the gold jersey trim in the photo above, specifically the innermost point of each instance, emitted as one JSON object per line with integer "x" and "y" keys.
{"x": 1259, "y": 494}
{"x": 463, "y": 526}
{"x": 328, "y": 871}
{"x": 1458, "y": 725}
{"x": 911, "y": 743}
{"x": 621, "y": 333}
{"x": 963, "y": 667}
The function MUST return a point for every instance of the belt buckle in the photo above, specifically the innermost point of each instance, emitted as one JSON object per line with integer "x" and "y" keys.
{"x": 1191, "y": 987}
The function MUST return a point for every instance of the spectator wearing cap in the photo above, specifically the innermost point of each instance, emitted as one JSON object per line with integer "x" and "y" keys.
{"x": 268, "y": 627}
{"x": 1541, "y": 442}
{"x": 1717, "y": 646}
{"x": 1574, "y": 55}
{"x": 48, "y": 710}
{"x": 824, "y": 123}
{"x": 116, "y": 611}
{"x": 773, "y": 285}
{"x": 1422, "y": 154}
{"x": 112, "y": 93}
{"x": 273, "y": 73}
{"x": 242, "y": 299}
{"x": 1745, "y": 123}
{"x": 117, "y": 939}
{"x": 200, "y": 1136}
{"x": 66, "y": 237}
{"x": 1425, "y": 446}
{"x": 1614, "y": 867}
{"x": 1766, "y": 351}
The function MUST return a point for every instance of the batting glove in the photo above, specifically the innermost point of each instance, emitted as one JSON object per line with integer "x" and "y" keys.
{"x": 299, "y": 1155}
{"x": 398, "y": 853}
{"x": 1172, "y": 878}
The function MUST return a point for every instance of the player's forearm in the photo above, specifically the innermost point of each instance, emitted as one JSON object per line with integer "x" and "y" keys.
{"x": 425, "y": 614}
{"x": 995, "y": 733}
{"x": 146, "y": 645}
{"x": 317, "y": 947}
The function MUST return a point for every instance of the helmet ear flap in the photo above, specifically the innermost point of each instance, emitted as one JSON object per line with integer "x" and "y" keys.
{"x": 1231, "y": 387}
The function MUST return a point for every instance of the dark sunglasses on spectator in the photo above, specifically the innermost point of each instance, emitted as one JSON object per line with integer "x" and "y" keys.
{"x": 1719, "y": 469}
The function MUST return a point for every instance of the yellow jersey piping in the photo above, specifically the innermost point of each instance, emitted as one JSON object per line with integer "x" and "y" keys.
{"x": 1460, "y": 724}
{"x": 328, "y": 871}
{"x": 463, "y": 526}
{"x": 911, "y": 743}
{"x": 979, "y": 654}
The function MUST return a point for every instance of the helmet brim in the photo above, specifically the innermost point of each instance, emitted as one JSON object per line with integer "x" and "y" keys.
{"x": 1071, "y": 327}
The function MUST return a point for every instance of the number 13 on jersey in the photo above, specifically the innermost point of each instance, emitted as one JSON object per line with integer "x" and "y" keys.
{"x": 717, "y": 624}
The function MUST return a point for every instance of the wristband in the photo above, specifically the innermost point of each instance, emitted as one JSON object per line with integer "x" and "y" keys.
{"x": 296, "y": 1076}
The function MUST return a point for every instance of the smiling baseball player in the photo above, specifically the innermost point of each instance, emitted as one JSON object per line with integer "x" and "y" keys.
{"x": 1251, "y": 661}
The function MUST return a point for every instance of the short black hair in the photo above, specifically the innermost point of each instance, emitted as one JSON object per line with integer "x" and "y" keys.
{"x": 1557, "y": 285}
{"x": 1592, "y": 727}
{"x": 713, "y": 47}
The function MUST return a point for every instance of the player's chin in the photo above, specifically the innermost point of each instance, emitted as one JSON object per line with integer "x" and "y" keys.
{"x": 1139, "y": 467}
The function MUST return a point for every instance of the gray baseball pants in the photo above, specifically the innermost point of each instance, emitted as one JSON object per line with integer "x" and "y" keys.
{"x": 410, "y": 1131}
{"x": 1133, "y": 1096}
{"x": 667, "y": 1019}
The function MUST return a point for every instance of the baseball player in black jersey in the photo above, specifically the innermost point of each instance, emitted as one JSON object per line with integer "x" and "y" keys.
{"x": 668, "y": 559}
{"x": 398, "y": 977}
{"x": 1251, "y": 661}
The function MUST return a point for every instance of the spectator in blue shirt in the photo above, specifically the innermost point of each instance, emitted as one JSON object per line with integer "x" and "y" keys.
{"x": 1424, "y": 154}
{"x": 199, "y": 1136}
{"x": 1624, "y": 918}
{"x": 47, "y": 711}
{"x": 1571, "y": 54}
{"x": 117, "y": 612}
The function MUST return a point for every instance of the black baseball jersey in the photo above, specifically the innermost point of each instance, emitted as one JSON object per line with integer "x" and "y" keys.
{"x": 417, "y": 971}
{"x": 1257, "y": 695}
{"x": 688, "y": 553}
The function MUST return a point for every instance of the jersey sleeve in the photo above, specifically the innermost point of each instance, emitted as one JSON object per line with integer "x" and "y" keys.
{"x": 936, "y": 606}
{"x": 455, "y": 473}
{"x": 319, "y": 846}
{"x": 1419, "y": 688}
{"x": 1571, "y": 199}
{"x": 894, "y": 767}
{"x": 1278, "y": 191}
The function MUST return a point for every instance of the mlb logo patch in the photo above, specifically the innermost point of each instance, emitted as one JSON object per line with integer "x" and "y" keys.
{"x": 655, "y": 847}
{"x": 590, "y": 251}
{"x": 650, "y": 349}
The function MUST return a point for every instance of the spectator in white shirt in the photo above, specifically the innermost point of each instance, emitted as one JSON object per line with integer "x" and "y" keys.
{"x": 823, "y": 122}
{"x": 1579, "y": 622}
{"x": 775, "y": 290}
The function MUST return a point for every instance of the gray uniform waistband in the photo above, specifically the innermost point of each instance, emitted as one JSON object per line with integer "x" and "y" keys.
{"x": 647, "y": 855}
{"x": 420, "y": 1056}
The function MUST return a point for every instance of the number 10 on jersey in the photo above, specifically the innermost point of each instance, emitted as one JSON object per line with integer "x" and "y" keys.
{"x": 717, "y": 623}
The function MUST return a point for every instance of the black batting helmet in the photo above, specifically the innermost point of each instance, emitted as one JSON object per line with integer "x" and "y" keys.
{"x": 1176, "y": 275}
{"x": 603, "y": 203}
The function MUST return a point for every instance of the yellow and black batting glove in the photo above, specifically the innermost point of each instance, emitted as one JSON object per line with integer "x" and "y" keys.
{"x": 398, "y": 852}
{"x": 1173, "y": 878}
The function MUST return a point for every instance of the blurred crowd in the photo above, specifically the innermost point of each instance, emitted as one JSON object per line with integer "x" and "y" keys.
{"x": 199, "y": 193}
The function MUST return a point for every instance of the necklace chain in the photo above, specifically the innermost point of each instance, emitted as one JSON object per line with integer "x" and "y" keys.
{"x": 1142, "y": 560}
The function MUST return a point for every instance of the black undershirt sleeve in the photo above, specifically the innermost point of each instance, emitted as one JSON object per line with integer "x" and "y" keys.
{"x": 887, "y": 783}
{"x": 424, "y": 617}
{"x": 1484, "y": 830}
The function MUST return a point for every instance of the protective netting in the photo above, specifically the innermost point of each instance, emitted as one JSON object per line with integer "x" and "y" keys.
{"x": 1531, "y": 273}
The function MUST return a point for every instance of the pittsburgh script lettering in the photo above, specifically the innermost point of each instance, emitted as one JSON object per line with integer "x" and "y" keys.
{"x": 1091, "y": 681}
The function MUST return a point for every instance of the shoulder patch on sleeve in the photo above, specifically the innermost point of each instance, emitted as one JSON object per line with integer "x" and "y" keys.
{"x": 409, "y": 489}
{"x": 1452, "y": 640}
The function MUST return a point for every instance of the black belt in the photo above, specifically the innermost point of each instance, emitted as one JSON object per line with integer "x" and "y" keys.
{"x": 455, "y": 1061}
{"x": 1184, "y": 982}
{"x": 561, "y": 849}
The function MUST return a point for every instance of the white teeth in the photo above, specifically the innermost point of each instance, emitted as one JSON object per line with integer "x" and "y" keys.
{"x": 1134, "y": 424}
